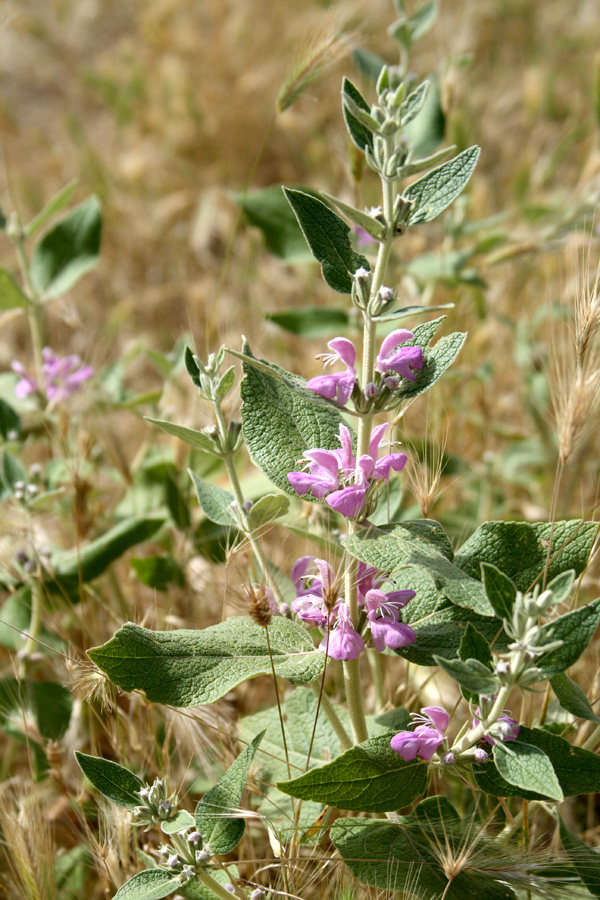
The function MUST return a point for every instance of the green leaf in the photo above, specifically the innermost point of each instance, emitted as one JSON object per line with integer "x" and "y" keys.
{"x": 368, "y": 778}
{"x": 189, "y": 668}
{"x": 195, "y": 890}
{"x": 281, "y": 424}
{"x": 113, "y": 781}
{"x": 575, "y": 630}
{"x": 12, "y": 472}
{"x": 328, "y": 238}
{"x": 299, "y": 714}
{"x": 52, "y": 705}
{"x": 368, "y": 64}
{"x": 9, "y": 420}
{"x": 519, "y": 549}
{"x": 221, "y": 832}
{"x": 384, "y": 854}
{"x": 405, "y": 855}
{"x": 436, "y": 359}
{"x": 472, "y": 675}
{"x": 216, "y": 502}
{"x": 433, "y": 193}
{"x": 151, "y": 884}
{"x": 411, "y": 107}
{"x": 395, "y": 546}
{"x": 15, "y": 617}
{"x": 198, "y": 439}
{"x": 11, "y": 295}
{"x": 526, "y": 766}
{"x": 499, "y": 589}
{"x": 224, "y": 384}
{"x": 357, "y": 216}
{"x": 268, "y": 209}
{"x": 360, "y": 135}
{"x": 572, "y": 698}
{"x": 585, "y": 860}
{"x": 473, "y": 645}
{"x": 426, "y": 132}
{"x": 91, "y": 561}
{"x": 311, "y": 321}
{"x": 561, "y": 586}
{"x": 55, "y": 205}
{"x": 269, "y": 507}
{"x": 182, "y": 819}
{"x": 68, "y": 250}
{"x": 577, "y": 770}
{"x": 158, "y": 572}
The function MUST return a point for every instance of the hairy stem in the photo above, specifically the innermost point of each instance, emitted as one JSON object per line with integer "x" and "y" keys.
{"x": 239, "y": 499}
{"x": 332, "y": 716}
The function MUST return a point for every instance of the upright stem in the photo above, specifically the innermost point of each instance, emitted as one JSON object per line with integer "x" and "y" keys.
{"x": 352, "y": 680}
{"x": 334, "y": 720}
{"x": 239, "y": 499}
{"x": 34, "y": 313}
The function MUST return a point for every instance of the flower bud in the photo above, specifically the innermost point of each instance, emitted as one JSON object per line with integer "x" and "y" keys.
{"x": 195, "y": 838}
{"x": 173, "y": 861}
{"x": 371, "y": 390}
{"x": 202, "y": 856}
{"x": 448, "y": 759}
{"x": 480, "y": 755}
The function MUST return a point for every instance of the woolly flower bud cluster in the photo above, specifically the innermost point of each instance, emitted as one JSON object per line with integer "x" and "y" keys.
{"x": 319, "y": 603}
{"x": 156, "y": 806}
{"x": 529, "y": 639}
{"x": 184, "y": 855}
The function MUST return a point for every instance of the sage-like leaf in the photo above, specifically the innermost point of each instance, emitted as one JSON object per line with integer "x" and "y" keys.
{"x": 113, "y": 781}
{"x": 433, "y": 193}
{"x": 198, "y": 439}
{"x": 281, "y": 423}
{"x": 360, "y": 135}
{"x": 328, "y": 238}
{"x": 370, "y": 777}
{"x": 68, "y": 250}
{"x": 526, "y": 766}
{"x": 11, "y": 295}
{"x": 151, "y": 884}
{"x": 216, "y": 502}
{"x": 499, "y": 589}
{"x": 188, "y": 668}
{"x": 221, "y": 831}
{"x": 572, "y": 698}
{"x": 575, "y": 630}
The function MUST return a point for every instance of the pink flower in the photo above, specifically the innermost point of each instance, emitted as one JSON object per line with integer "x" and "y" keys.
{"x": 26, "y": 384}
{"x": 426, "y": 739}
{"x": 343, "y": 642}
{"x": 314, "y": 592}
{"x": 337, "y": 386}
{"x": 341, "y": 480}
{"x": 401, "y": 360}
{"x": 63, "y": 376}
{"x": 383, "y": 613}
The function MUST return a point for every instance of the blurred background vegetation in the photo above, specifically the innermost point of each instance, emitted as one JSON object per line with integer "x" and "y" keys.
{"x": 170, "y": 111}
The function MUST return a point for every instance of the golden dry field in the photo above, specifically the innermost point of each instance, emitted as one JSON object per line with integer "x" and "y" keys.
{"x": 172, "y": 113}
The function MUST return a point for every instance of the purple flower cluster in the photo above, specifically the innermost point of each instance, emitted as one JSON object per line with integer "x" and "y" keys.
{"x": 318, "y": 603}
{"x": 62, "y": 375}
{"x": 426, "y": 738}
{"x": 342, "y": 481}
{"x": 339, "y": 386}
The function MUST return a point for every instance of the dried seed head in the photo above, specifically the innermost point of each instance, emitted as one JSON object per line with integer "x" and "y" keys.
{"x": 259, "y": 604}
